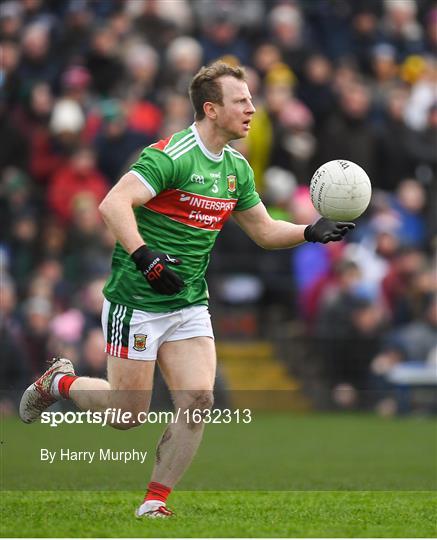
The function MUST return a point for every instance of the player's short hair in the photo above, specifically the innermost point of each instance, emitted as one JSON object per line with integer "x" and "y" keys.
{"x": 205, "y": 87}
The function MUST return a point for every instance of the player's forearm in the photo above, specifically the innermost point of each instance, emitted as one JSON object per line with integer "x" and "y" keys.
{"x": 282, "y": 234}
{"x": 120, "y": 219}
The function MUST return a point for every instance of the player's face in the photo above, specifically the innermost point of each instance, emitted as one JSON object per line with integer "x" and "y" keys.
{"x": 234, "y": 116}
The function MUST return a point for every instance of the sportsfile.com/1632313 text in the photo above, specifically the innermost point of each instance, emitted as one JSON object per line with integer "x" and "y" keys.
{"x": 118, "y": 416}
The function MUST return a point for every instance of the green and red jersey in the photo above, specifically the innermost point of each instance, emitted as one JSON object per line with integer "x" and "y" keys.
{"x": 194, "y": 193}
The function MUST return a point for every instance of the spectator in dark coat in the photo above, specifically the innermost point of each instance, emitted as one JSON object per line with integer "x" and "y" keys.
{"x": 14, "y": 146}
{"x": 37, "y": 63}
{"x": 401, "y": 28}
{"x": 101, "y": 61}
{"x": 289, "y": 33}
{"x": 422, "y": 145}
{"x": 315, "y": 89}
{"x": 116, "y": 143}
{"x": 392, "y": 147}
{"x": 221, "y": 38}
{"x": 348, "y": 134}
{"x": 365, "y": 33}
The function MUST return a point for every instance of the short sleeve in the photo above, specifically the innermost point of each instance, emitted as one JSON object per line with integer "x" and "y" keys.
{"x": 248, "y": 196}
{"x": 155, "y": 169}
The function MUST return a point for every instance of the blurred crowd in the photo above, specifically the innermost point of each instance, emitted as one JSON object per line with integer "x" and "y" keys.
{"x": 86, "y": 84}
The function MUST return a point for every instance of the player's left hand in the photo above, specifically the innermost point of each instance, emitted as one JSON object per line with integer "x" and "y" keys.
{"x": 324, "y": 230}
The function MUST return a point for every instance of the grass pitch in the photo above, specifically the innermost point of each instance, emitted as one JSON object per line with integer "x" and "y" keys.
{"x": 222, "y": 514}
{"x": 282, "y": 475}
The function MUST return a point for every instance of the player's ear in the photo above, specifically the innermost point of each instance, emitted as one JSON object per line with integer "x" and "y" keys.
{"x": 209, "y": 108}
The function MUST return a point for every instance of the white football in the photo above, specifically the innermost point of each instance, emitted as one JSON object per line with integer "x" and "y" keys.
{"x": 340, "y": 190}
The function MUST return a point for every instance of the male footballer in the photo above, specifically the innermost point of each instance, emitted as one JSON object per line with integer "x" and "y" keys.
{"x": 166, "y": 213}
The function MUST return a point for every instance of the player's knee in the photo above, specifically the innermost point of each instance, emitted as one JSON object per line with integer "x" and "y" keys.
{"x": 200, "y": 404}
{"x": 202, "y": 400}
{"x": 129, "y": 418}
{"x": 124, "y": 426}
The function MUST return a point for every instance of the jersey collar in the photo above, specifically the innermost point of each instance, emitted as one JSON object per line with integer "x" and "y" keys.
{"x": 203, "y": 148}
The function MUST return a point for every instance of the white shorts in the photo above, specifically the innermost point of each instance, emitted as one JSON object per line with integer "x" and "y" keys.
{"x": 137, "y": 335}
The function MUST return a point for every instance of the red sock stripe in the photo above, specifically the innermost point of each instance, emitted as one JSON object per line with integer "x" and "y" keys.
{"x": 64, "y": 385}
{"x": 157, "y": 492}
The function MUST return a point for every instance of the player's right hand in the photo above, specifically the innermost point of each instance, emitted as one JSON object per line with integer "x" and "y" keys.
{"x": 153, "y": 266}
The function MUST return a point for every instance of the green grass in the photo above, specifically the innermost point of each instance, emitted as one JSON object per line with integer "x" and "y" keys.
{"x": 222, "y": 514}
{"x": 282, "y": 475}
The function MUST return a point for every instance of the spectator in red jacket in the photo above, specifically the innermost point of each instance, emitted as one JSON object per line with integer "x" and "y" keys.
{"x": 397, "y": 285}
{"x": 79, "y": 176}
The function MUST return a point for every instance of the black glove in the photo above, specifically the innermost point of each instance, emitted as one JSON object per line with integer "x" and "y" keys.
{"x": 324, "y": 230}
{"x": 153, "y": 266}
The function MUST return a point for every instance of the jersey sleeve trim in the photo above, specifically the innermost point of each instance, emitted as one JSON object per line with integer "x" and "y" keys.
{"x": 248, "y": 206}
{"x": 144, "y": 181}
